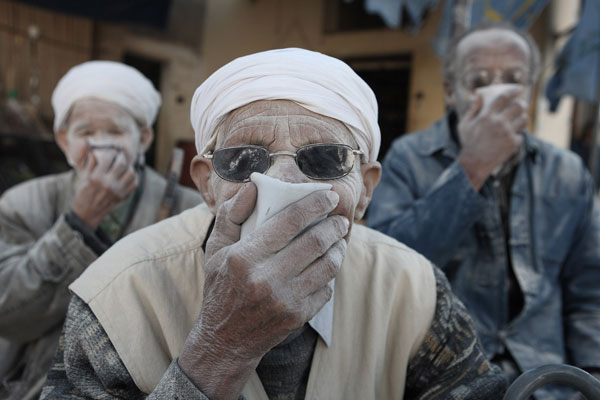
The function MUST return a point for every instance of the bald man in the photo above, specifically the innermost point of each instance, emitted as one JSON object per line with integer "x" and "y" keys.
{"x": 52, "y": 228}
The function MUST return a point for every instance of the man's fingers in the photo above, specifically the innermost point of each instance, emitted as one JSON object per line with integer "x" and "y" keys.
{"x": 105, "y": 159}
{"x": 127, "y": 177}
{"x": 503, "y": 100}
{"x": 312, "y": 304}
{"x": 242, "y": 204}
{"x": 514, "y": 109}
{"x": 520, "y": 123}
{"x": 319, "y": 273}
{"x": 279, "y": 230}
{"x": 311, "y": 245}
{"x": 475, "y": 108}
{"x": 119, "y": 166}
{"x": 230, "y": 215}
{"x": 127, "y": 184}
{"x": 89, "y": 163}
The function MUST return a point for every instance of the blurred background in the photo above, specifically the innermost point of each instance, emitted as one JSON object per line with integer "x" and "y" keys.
{"x": 395, "y": 45}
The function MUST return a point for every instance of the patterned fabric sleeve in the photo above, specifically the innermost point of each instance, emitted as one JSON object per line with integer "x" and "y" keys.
{"x": 87, "y": 366}
{"x": 451, "y": 364}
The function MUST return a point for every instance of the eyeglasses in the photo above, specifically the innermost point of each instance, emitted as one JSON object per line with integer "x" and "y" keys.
{"x": 321, "y": 161}
{"x": 485, "y": 77}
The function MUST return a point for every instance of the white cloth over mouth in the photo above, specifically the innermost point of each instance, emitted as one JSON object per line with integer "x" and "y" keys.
{"x": 273, "y": 196}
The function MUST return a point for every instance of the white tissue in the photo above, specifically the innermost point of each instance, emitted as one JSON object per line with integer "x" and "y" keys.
{"x": 491, "y": 92}
{"x": 273, "y": 196}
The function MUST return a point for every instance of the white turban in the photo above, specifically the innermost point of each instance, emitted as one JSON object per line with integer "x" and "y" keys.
{"x": 319, "y": 83}
{"x": 106, "y": 80}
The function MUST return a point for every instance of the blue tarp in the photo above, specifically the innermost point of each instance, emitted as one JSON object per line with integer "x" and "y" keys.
{"x": 521, "y": 13}
{"x": 578, "y": 62}
{"x": 391, "y": 11}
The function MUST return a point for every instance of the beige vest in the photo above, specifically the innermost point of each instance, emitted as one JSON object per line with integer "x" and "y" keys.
{"x": 147, "y": 292}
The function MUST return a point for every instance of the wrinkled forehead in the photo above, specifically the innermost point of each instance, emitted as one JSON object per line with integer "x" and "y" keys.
{"x": 265, "y": 121}
{"x": 89, "y": 110}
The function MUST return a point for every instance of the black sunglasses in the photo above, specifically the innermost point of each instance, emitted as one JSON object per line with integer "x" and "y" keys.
{"x": 321, "y": 161}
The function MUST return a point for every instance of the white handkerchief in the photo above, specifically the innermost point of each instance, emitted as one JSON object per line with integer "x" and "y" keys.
{"x": 492, "y": 92}
{"x": 489, "y": 94}
{"x": 273, "y": 196}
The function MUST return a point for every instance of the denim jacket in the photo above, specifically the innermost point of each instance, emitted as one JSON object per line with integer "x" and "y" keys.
{"x": 425, "y": 200}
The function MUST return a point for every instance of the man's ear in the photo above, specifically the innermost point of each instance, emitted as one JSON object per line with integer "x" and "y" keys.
{"x": 448, "y": 94}
{"x": 61, "y": 140}
{"x": 200, "y": 172}
{"x": 371, "y": 174}
{"x": 146, "y": 137}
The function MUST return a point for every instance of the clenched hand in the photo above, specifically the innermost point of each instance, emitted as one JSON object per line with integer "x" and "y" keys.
{"x": 261, "y": 288}
{"x": 489, "y": 138}
{"x": 106, "y": 180}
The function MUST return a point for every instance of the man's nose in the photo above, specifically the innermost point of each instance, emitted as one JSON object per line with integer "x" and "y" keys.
{"x": 497, "y": 77}
{"x": 284, "y": 168}
{"x": 101, "y": 137}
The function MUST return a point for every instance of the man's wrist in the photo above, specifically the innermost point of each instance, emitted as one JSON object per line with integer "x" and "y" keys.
{"x": 90, "y": 238}
{"x": 90, "y": 221}
{"x": 216, "y": 375}
{"x": 476, "y": 174}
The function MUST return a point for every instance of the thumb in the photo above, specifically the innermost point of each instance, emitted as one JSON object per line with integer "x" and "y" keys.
{"x": 230, "y": 216}
{"x": 475, "y": 107}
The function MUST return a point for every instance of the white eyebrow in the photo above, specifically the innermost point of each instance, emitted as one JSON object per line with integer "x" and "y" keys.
{"x": 80, "y": 125}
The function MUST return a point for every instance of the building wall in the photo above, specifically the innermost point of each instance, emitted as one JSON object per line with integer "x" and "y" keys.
{"x": 182, "y": 72}
{"x": 225, "y": 29}
{"x": 555, "y": 127}
{"x": 234, "y": 28}
{"x": 64, "y": 41}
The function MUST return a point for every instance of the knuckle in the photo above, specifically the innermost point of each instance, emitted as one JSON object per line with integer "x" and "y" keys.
{"x": 235, "y": 259}
{"x": 327, "y": 293}
{"x": 341, "y": 225}
{"x": 318, "y": 241}
{"x": 321, "y": 202}
{"x": 222, "y": 211}
{"x": 297, "y": 219}
{"x": 262, "y": 290}
{"x": 329, "y": 268}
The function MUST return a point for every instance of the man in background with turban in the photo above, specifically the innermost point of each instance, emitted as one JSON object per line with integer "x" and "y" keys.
{"x": 52, "y": 228}
{"x": 268, "y": 290}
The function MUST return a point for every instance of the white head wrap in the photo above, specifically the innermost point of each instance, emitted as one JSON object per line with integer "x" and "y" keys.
{"x": 106, "y": 80}
{"x": 319, "y": 83}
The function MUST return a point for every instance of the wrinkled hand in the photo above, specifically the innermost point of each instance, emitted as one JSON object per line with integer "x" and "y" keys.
{"x": 106, "y": 180}
{"x": 260, "y": 289}
{"x": 488, "y": 139}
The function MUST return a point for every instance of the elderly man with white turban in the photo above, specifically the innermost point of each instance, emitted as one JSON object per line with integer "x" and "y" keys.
{"x": 268, "y": 290}
{"x": 53, "y": 228}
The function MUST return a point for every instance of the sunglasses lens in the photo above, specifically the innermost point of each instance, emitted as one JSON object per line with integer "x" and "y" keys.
{"x": 325, "y": 161}
{"x": 238, "y": 163}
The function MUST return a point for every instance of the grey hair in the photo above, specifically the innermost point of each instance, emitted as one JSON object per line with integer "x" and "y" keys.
{"x": 449, "y": 63}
